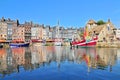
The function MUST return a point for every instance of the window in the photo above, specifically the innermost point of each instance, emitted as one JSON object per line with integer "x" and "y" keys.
{"x": 108, "y": 27}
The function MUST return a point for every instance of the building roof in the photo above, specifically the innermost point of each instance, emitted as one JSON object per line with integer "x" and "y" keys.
{"x": 91, "y": 22}
{"x": 98, "y": 28}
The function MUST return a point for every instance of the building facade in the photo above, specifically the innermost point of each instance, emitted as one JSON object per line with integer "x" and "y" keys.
{"x": 28, "y": 26}
{"x": 69, "y": 34}
{"x": 104, "y": 32}
{"x": 3, "y": 31}
{"x": 117, "y": 32}
{"x": 7, "y": 26}
{"x": 36, "y": 32}
{"x": 18, "y": 34}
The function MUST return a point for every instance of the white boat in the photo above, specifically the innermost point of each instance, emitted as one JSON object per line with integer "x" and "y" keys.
{"x": 57, "y": 43}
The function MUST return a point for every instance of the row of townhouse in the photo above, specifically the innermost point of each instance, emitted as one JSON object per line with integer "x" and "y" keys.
{"x": 11, "y": 30}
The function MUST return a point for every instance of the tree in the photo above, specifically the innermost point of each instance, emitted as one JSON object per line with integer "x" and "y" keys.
{"x": 100, "y": 22}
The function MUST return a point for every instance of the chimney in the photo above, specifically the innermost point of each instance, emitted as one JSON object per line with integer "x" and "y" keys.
{"x": 17, "y": 22}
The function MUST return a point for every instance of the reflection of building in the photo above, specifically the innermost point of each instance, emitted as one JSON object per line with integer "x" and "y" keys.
{"x": 107, "y": 56}
{"x": 18, "y": 55}
{"x": 36, "y": 56}
{"x": 3, "y": 63}
{"x": 27, "y": 64}
{"x": 118, "y": 55}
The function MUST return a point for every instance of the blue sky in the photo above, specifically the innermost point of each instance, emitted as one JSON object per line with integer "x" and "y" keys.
{"x": 69, "y": 12}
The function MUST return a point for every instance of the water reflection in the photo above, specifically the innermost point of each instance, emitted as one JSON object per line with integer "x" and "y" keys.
{"x": 36, "y": 56}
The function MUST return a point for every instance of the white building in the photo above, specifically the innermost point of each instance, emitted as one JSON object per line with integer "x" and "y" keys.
{"x": 36, "y": 32}
{"x": 44, "y": 34}
{"x": 118, "y": 33}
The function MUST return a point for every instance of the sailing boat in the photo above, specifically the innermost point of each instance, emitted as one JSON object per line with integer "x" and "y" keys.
{"x": 57, "y": 39}
{"x": 87, "y": 41}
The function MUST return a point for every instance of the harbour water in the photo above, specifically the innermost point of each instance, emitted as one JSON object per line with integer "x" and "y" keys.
{"x": 59, "y": 63}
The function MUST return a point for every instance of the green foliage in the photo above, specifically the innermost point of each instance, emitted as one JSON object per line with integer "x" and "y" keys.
{"x": 100, "y": 22}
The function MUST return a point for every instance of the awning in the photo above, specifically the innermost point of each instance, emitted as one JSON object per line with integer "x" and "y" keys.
{"x": 17, "y": 41}
{"x": 49, "y": 40}
{"x": 2, "y": 40}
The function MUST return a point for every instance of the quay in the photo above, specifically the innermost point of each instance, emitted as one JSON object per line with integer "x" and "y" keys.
{"x": 108, "y": 44}
{"x": 98, "y": 45}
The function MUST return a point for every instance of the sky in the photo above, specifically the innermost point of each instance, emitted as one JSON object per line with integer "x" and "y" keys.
{"x": 69, "y": 13}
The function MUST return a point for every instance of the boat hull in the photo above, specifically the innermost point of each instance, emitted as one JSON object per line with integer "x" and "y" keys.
{"x": 85, "y": 44}
{"x": 57, "y": 43}
{"x": 19, "y": 44}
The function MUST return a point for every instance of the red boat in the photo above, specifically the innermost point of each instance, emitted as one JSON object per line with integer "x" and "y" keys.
{"x": 87, "y": 41}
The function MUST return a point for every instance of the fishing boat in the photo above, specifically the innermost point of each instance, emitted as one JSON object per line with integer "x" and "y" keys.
{"x": 58, "y": 42}
{"x": 19, "y": 44}
{"x": 87, "y": 40}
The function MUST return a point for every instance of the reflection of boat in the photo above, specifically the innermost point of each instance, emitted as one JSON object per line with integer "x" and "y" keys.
{"x": 19, "y": 44}
{"x": 1, "y": 46}
{"x": 87, "y": 41}
{"x": 38, "y": 44}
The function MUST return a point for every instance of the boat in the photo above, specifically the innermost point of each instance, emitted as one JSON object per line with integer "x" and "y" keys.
{"x": 36, "y": 40}
{"x": 87, "y": 40}
{"x": 1, "y": 46}
{"x": 19, "y": 44}
{"x": 89, "y": 43}
{"x": 58, "y": 42}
